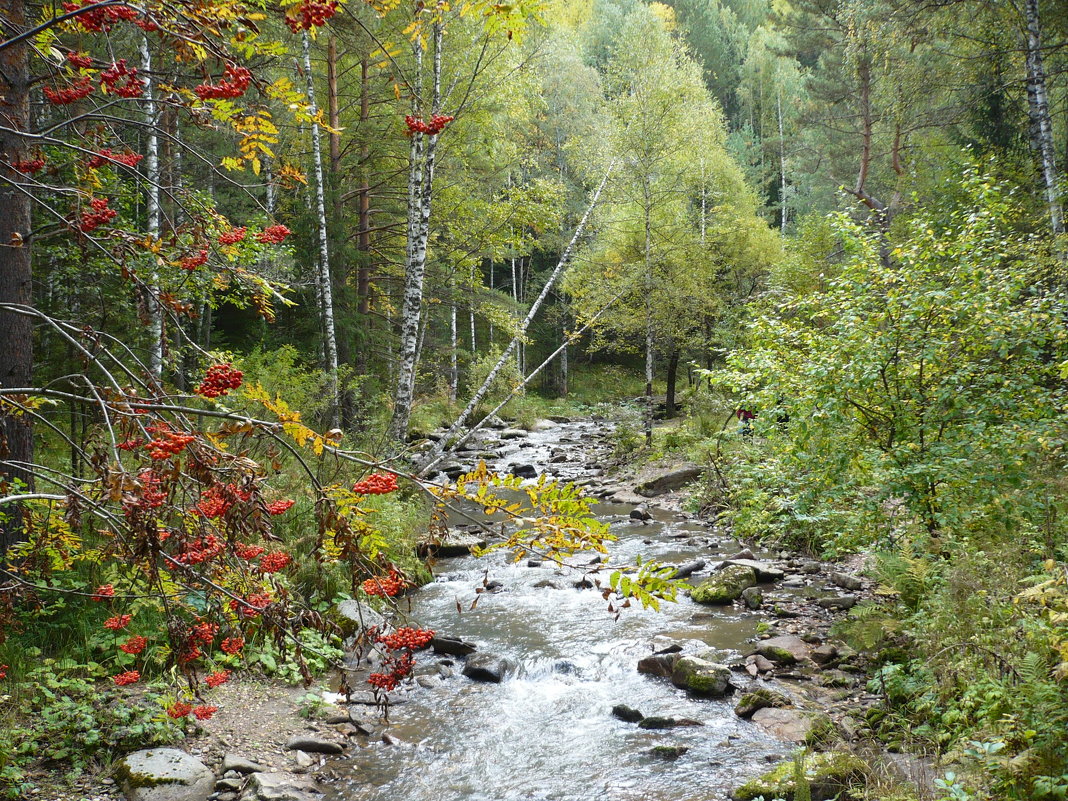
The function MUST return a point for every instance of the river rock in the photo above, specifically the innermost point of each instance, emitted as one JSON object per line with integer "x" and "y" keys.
{"x": 753, "y": 598}
{"x": 493, "y": 421}
{"x": 838, "y": 603}
{"x": 164, "y": 774}
{"x": 313, "y": 744}
{"x": 241, "y": 765}
{"x": 524, "y": 471}
{"x": 688, "y": 569}
{"x": 828, "y": 773}
{"x": 360, "y": 614}
{"x": 452, "y": 646}
{"x": 760, "y": 698}
{"x": 455, "y": 543}
{"x": 512, "y": 433}
{"x": 668, "y": 482}
{"x": 793, "y": 725}
{"x": 662, "y": 665}
{"x": 668, "y": 752}
{"x": 824, "y": 654}
{"x": 452, "y": 469}
{"x": 701, "y": 677}
{"x": 785, "y": 650}
{"x": 661, "y": 722}
{"x": 764, "y": 571}
{"x": 627, "y": 713}
{"x": 724, "y": 587}
{"x": 281, "y": 787}
{"x": 640, "y": 513}
{"x": 488, "y": 667}
{"x": 846, "y": 582}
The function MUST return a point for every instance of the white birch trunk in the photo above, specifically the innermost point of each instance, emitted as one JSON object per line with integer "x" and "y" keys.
{"x": 152, "y": 175}
{"x": 454, "y": 371}
{"x": 782, "y": 164}
{"x": 648, "y": 315}
{"x": 471, "y": 311}
{"x": 565, "y": 259}
{"x": 326, "y": 291}
{"x": 1041, "y": 124}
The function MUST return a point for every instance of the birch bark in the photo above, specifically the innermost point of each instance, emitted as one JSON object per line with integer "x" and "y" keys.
{"x": 1041, "y": 123}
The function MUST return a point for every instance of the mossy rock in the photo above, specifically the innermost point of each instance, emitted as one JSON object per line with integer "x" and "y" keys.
{"x": 724, "y": 587}
{"x": 164, "y": 774}
{"x": 828, "y": 774}
{"x": 702, "y": 677}
{"x": 758, "y": 699}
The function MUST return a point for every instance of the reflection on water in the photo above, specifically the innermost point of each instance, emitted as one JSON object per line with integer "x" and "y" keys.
{"x": 547, "y": 731}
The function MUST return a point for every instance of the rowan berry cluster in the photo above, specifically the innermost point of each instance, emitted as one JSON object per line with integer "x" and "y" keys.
{"x": 131, "y": 87}
{"x": 233, "y": 236}
{"x": 100, "y": 215}
{"x": 80, "y": 61}
{"x": 251, "y": 606}
{"x": 151, "y": 493}
{"x": 376, "y": 484}
{"x": 131, "y": 444}
{"x": 232, "y": 645}
{"x": 273, "y": 235}
{"x": 82, "y": 87}
{"x": 216, "y": 500}
{"x": 129, "y": 677}
{"x": 389, "y": 585}
{"x": 234, "y": 84}
{"x": 216, "y": 679}
{"x": 279, "y": 507}
{"x": 406, "y": 637}
{"x": 100, "y": 19}
{"x": 103, "y": 592}
{"x": 200, "y": 550}
{"x": 134, "y": 645}
{"x": 168, "y": 444}
{"x": 190, "y": 263}
{"x": 399, "y": 669}
{"x": 106, "y": 155}
{"x": 274, "y": 561}
{"x": 219, "y": 380}
{"x": 435, "y": 126}
{"x": 179, "y": 709}
{"x": 31, "y": 166}
{"x": 248, "y": 552}
{"x": 310, "y": 15}
{"x": 204, "y": 712}
{"x": 117, "y": 623}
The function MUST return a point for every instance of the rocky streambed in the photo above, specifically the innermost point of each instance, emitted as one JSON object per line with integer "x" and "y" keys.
{"x": 535, "y": 690}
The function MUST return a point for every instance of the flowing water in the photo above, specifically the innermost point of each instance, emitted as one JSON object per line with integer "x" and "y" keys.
{"x": 547, "y": 731}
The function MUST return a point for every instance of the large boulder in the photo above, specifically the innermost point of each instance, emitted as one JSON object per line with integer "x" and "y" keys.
{"x": 760, "y": 698}
{"x": 724, "y": 587}
{"x": 358, "y": 616}
{"x": 662, "y": 665}
{"x": 828, "y": 774}
{"x": 794, "y": 725}
{"x": 455, "y": 543}
{"x": 702, "y": 677}
{"x": 764, "y": 571}
{"x": 785, "y": 650}
{"x": 164, "y": 774}
{"x": 668, "y": 482}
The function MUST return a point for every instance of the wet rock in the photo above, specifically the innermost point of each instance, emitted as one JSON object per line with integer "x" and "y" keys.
{"x": 724, "y": 587}
{"x": 524, "y": 471}
{"x": 824, "y": 654}
{"x": 164, "y": 774}
{"x": 560, "y": 458}
{"x": 745, "y": 553}
{"x": 455, "y": 543}
{"x": 661, "y": 722}
{"x": 688, "y": 569}
{"x": 359, "y": 615}
{"x": 760, "y": 698}
{"x": 810, "y": 566}
{"x": 668, "y": 752}
{"x": 661, "y": 665}
{"x": 753, "y": 598}
{"x": 627, "y": 713}
{"x": 452, "y": 469}
{"x": 488, "y": 667}
{"x": 828, "y": 774}
{"x": 512, "y": 433}
{"x": 640, "y": 513}
{"x": 545, "y": 584}
{"x": 764, "y": 571}
{"x": 493, "y": 421}
{"x": 304, "y": 759}
{"x": 281, "y": 787}
{"x": 838, "y": 603}
{"x": 668, "y": 482}
{"x": 701, "y": 677}
{"x": 313, "y": 744}
{"x": 241, "y": 765}
{"x": 453, "y": 646}
{"x": 785, "y": 650}
{"x": 793, "y": 725}
{"x": 846, "y": 582}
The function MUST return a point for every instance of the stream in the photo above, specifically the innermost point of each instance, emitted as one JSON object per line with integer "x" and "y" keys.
{"x": 547, "y": 731}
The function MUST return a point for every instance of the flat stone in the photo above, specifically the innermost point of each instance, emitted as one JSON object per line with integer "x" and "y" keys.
{"x": 452, "y": 646}
{"x": 512, "y": 433}
{"x": 524, "y": 471}
{"x": 846, "y": 582}
{"x": 164, "y": 774}
{"x": 313, "y": 744}
{"x": 785, "y": 650}
{"x": 455, "y": 543}
{"x": 764, "y": 571}
{"x": 790, "y": 725}
{"x": 241, "y": 765}
{"x": 839, "y": 603}
{"x": 668, "y": 481}
{"x": 281, "y": 787}
{"x": 824, "y": 654}
{"x": 760, "y": 698}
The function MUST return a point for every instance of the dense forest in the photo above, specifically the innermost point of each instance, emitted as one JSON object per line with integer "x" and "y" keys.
{"x": 267, "y": 271}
